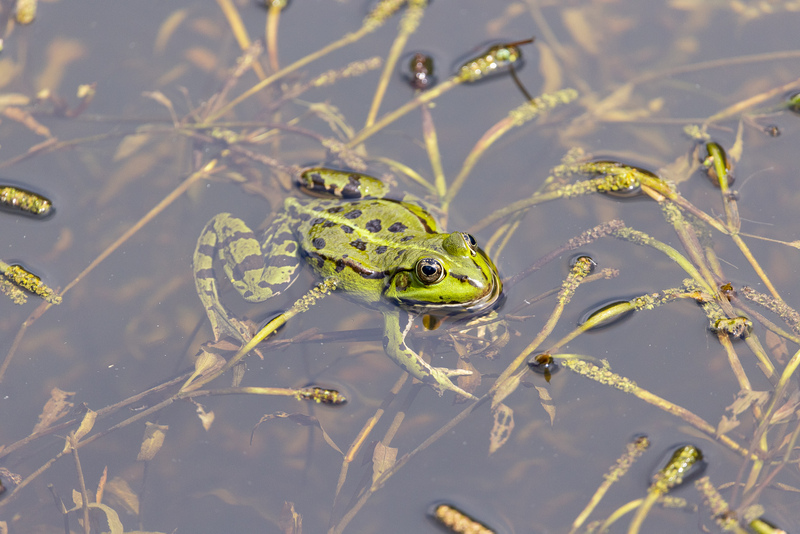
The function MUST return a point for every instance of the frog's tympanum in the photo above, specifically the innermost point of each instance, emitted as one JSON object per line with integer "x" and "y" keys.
{"x": 384, "y": 253}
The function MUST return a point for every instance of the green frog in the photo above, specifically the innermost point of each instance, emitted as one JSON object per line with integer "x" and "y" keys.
{"x": 386, "y": 254}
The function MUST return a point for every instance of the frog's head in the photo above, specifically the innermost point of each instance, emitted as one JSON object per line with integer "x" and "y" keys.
{"x": 450, "y": 273}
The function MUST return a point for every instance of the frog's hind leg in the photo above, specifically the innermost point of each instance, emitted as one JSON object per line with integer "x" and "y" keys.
{"x": 257, "y": 272}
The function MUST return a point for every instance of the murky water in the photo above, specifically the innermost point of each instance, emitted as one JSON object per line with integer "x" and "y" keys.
{"x": 643, "y": 71}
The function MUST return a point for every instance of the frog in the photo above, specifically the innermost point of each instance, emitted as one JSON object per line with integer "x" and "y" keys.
{"x": 385, "y": 254}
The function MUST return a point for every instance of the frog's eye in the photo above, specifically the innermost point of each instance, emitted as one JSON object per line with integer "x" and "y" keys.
{"x": 429, "y": 271}
{"x": 473, "y": 245}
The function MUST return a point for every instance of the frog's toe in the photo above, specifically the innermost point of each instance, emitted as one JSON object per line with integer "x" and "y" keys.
{"x": 455, "y": 372}
{"x": 454, "y": 388}
{"x": 442, "y": 381}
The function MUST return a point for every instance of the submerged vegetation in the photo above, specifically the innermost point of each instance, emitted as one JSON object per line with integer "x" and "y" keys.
{"x": 270, "y": 127}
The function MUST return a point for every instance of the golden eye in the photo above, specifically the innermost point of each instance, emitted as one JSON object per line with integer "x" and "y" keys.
{"x": 429, "y": 271}
{"x": 473, "y": 245}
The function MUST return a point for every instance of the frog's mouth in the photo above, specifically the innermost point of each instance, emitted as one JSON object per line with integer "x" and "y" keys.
{"x": 482, "y": 303}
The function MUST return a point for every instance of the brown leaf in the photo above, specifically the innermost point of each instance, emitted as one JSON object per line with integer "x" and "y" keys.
{"x": 506, "y": 388}
{"x": 60, "y": 53}
{"x": 77, "y": 499}
{"x": 300, "y": 419}
{"x": 581, "y": 29}
{"x": 502, "y": 427}
{"x": 785, "y": 412}
{"x": 14, "y": 99}
{"x": 206, "y": 363}
{"x": 27, "y": 120}
{"x": 290, "y": 522}
{"x": 777, "y": 346}
{"x": 153, "y": 440}
{"x": 86, "y": 426}
{"x": 726, "y": 424}
{"x": 547, "y": 403}
{"x": 122, "y": 491}
{"x": 131, "y": 144}
{"x": 101, "y": 486}
{"x": 679, "y": 170}
{"x": 106, "y": 517}
{"x": 383, "y": 458}
{"x": 468, "y": 383}
{"x": 550, "y": 69}
{"x": 745, "y": 399}
{"x": 206, "y": 418}
{"x": 159, "y": 97}
{"x": 55, "y": 408}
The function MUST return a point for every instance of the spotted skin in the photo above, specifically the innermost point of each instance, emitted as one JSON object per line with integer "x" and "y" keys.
{"x": 384, "y": 253}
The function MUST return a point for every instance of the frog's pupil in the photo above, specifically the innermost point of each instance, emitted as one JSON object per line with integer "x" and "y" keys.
{"x": 429, "y": 271}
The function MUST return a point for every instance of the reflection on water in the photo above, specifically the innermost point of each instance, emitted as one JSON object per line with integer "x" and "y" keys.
{"x": 656, "y": 83}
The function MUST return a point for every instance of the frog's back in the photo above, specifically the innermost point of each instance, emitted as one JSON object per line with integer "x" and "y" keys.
{"x": 362, "y": 239}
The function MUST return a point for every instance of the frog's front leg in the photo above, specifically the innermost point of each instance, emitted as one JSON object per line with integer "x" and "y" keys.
{"x": 394, "y": 342}
{"x": 257, "y": 271}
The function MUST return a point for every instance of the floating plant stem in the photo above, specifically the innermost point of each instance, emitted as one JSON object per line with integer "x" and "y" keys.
{"x": 778, "y": 307}
{"x": 301, "y": 305}
{"x": 507, "y": 382}
{"x": 434, "y": 156}
{"x": 515, "y": 118}
{"x": 584, "y": 187}
{"x": 509, "y": 54}
{"x": 684, "y": 461}
{"x": 506, "y": 232}
{"x": 769, "y": 325}
{"x": 71, "y": 446}
{"x": 719, "y": 160}
{"x": 392, "y": 116}
{"x": 633, "y": 451}
{"x": 408, "y": 171}
{"x": 585, "y": 238}
{"x": 736, "y": 365}
{"x": 619, "y": 513}
{"x": 640, "y": 238}
{"x": 239, "y": 31}
{"x": 612, "y": 312}
{"x": 364, "y": 433}
{"x": 274, "y": 8}
{"x": 606, "y": 376}
{"x": 755, "y": 100}
{"x": 376, "y": 18}
{"x": 316, "y": 394}
{"x": 755, "y": 265}
{"x": 408, "y": 25}
{"x": 691, "y": 244}
{"x": 720, "y": 512}
{"x": 786, "y": 376}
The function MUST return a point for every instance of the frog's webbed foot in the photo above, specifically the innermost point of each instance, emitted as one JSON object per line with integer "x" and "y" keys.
{"x": 439, "y": 379}
{"x": 224, "y": 324}
{"x": 394, "y": 342}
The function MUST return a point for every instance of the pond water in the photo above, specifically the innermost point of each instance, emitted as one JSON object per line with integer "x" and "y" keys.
{"x": 643, "y": 72}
